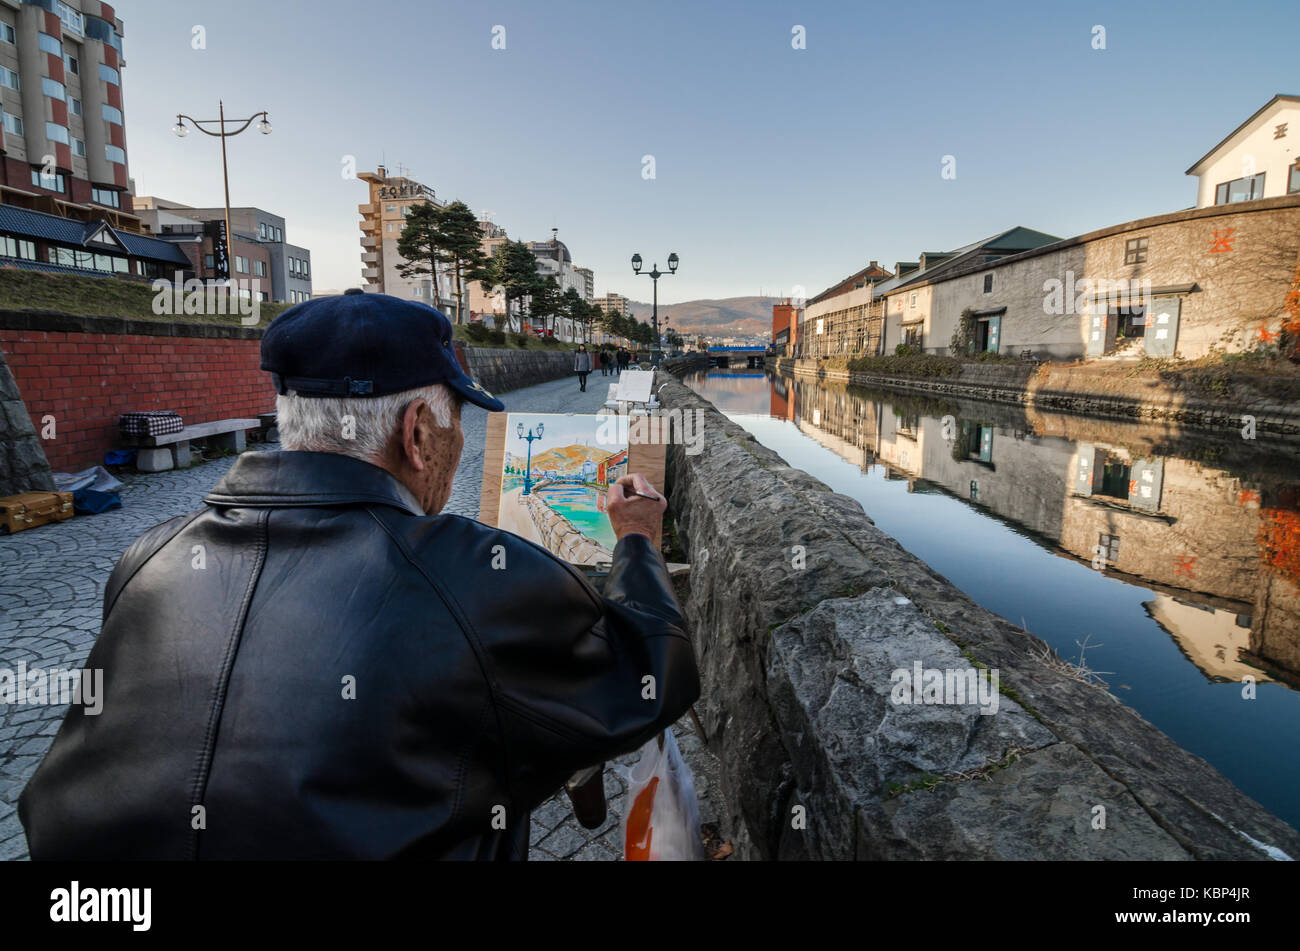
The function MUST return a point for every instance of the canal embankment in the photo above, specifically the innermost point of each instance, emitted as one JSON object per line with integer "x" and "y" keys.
{"x": 1109, "y": 389}
{"x": 803, "y": 614}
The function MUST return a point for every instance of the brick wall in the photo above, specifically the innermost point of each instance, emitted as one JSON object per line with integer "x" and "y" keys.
{"x": 85, "y": 371}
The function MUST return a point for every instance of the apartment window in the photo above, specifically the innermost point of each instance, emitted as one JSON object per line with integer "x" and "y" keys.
{"x": 53, "y": 89}
{"x": 1135, "y": 251}
{"x": 391, "y": 209}
{"x": 74, "y": 106}
{"x": 1240, "y": 189}
{"x": 13, "y": 124}
{"x": 79, "y": 147}
{"x": 112, "y": 115}
{"x": 419, "y": 291}
{"x": 109, "y": 74}
{"x": 988, "y": 283}
{"x": 209, "y": 261}
{"x": 241, "y": 264}
{"x": 73, "y": 64}
{"x": 388, "y": 228}
{"x": 7, "y": 33}
{"x": 1293, "y": 183}
{"x": 49, "y": 44}
{"x": 71, "y": 18}
{"x": 115, "y": 153}
{"x": 911, "y": 302}
{"x": 259, "y": 269}
{"x": 106, "y": 196}
{"x": 9, "y": 78}
{"x": 57, "y": 133}
{"x": 261, "y": 230}
{"x": 52, "y": 182}
{"x": 305, "y": 268}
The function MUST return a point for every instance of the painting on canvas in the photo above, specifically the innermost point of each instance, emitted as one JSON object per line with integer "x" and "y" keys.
{"x": 554, "y": 475}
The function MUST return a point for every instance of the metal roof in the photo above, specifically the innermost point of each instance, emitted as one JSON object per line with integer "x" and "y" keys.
{"x": 23, "y": 222}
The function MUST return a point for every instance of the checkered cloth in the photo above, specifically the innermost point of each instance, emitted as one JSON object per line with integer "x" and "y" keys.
{"x": 150, "y": 423}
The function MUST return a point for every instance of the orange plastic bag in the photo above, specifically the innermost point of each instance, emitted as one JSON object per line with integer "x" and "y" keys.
{"x": 661, "y": 822}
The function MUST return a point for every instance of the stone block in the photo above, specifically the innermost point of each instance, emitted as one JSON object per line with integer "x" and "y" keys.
{"x": 235, "y": 441}
{"x": 181, "y": 454}
{"x": 155, "y": 459}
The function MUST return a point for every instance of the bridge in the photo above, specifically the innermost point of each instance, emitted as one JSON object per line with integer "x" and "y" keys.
{"x": 731, "y": 356}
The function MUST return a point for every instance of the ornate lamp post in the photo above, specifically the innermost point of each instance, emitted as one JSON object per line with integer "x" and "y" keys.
{"x": 654, "y": 274}
{"x": 530, "y": 435}
{"x": 263, "y": 127}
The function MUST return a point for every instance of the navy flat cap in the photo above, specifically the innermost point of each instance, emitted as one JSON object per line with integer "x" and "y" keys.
{"x": 358, "y": 344}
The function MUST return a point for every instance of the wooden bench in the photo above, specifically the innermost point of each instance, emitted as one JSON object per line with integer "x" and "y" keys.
{"x": 162, "y": 452}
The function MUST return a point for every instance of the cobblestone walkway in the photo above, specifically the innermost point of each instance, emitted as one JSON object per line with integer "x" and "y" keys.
{"x": 51, "y": 589}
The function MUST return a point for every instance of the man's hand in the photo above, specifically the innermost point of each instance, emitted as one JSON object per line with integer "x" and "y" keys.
{"x": 630, "y": 514}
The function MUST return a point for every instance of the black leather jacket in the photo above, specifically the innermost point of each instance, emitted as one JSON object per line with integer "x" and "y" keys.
{"x": 329, "y": 673}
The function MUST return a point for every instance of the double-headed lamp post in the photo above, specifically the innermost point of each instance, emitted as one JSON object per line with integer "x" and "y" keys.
{"x": 654, "y": 274}
{"x": 263, "y": 127}
{"x": 530, "y": 435}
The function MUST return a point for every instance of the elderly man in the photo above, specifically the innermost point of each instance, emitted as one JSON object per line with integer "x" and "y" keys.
{"x": 317, "y": 665}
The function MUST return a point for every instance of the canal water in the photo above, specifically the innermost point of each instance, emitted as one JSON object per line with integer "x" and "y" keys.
{"x": 1168, "y": 563}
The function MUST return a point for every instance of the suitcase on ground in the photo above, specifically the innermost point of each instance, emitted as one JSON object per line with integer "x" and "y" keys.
{"x": 30, "y": 509}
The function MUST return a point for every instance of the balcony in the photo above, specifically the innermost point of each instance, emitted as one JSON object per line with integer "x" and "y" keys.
{"x": 370, "y": 257}
{"x": 367, "y": 209}
{"x": 370, "y": 241}
{"x": 370, "y": 272}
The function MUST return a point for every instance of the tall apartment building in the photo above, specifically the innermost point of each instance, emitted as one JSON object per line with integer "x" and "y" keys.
{"x": 63, "y": 142}
{"x": 588, "y": 278}
{"x": 612, "y": 302}
{"x": 258, "y": 248}
{"x": 382, "y": 218}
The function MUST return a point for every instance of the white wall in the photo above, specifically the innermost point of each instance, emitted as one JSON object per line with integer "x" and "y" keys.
{"x": 1253, "y": 151}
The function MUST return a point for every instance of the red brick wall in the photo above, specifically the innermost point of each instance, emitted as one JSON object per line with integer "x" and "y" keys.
{"x": 84, "y": 380}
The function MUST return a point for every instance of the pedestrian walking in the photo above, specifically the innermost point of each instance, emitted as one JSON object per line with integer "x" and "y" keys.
{"x": 603, "y": 359}
{"x": 582, "y": 366}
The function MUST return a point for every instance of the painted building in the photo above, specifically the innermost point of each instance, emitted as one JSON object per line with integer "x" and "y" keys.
{"x": 1258, "y": 159}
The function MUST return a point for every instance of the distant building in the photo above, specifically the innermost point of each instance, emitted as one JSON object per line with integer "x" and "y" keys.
{"x": 615, "y": 303}
{"x": 382, "y": 219}
{"x": 785, "y": 325}
{"x": 613, "y": 468}
{"x": 1258, "y": 159}
{"x": 257, "y": 246}
{"x": 62, "y": 138}
{"x": 588, "y": 277}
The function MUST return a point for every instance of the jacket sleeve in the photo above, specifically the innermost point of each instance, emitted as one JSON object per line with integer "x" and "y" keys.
{"x": 590, "y": 678}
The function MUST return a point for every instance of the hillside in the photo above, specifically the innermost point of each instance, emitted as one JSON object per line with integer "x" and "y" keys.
{"x": 566, "y": 460}
{"x": 730, "y": 316}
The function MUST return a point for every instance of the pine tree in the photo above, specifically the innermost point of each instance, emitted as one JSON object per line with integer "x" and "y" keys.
{"x": 420, "y": 244}
{"x": 461, "y": 246}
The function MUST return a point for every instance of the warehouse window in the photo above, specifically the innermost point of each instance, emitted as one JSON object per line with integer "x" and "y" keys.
{"x": 1135, "y": 251}
{"x": 988, "y": 283}
{"x": 1240, "y": 189}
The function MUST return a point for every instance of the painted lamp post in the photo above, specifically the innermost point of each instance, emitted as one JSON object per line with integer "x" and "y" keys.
{"x": 530, "y": 435}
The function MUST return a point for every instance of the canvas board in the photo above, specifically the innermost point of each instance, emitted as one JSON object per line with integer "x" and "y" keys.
{"x": 634, "y": 385}
{"x": 551, "y": 490}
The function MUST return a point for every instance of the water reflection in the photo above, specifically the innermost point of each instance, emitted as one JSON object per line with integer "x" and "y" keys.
{"x": 1088, "y": 532}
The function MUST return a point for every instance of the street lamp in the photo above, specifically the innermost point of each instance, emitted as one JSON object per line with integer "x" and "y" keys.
{"x": 654, "y": 274}
{"x": 530, "y": 435}
{"x": 264, "y": 127}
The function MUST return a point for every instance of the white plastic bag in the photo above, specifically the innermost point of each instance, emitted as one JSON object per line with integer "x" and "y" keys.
{"x": 661, "y": 818}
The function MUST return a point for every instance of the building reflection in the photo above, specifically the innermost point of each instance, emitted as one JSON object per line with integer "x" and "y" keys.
{"x": 1210, "y": 525}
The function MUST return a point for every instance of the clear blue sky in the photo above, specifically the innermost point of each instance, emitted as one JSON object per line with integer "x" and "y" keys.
{"x": 775, "y": 167}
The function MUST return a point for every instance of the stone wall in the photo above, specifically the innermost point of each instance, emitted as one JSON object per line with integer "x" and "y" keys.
{"x": 1095, "y": 390}
{"x": 502, "y": 370}
{"x": 561, "y": 537}
{"x": 801, "y": 609}
{"x": 23, "y": 467}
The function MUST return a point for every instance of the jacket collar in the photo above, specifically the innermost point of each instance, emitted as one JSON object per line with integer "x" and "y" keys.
{"x": 308, "y": 479}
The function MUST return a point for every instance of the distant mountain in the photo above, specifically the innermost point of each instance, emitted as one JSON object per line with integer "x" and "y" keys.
{"x": 729, "y": 317}
{"x": 566, "y": 460}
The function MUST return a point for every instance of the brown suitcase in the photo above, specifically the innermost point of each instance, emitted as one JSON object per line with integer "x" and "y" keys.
{"x": 30, "y": 509}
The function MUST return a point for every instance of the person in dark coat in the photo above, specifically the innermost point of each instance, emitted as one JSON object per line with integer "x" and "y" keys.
{"x": 582, "y": 366}
{"x": 317, "y": 664}
{"x": 603, "y": 359}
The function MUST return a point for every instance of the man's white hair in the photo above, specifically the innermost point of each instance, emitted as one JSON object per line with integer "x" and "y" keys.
{"x": 360, "y": 427}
